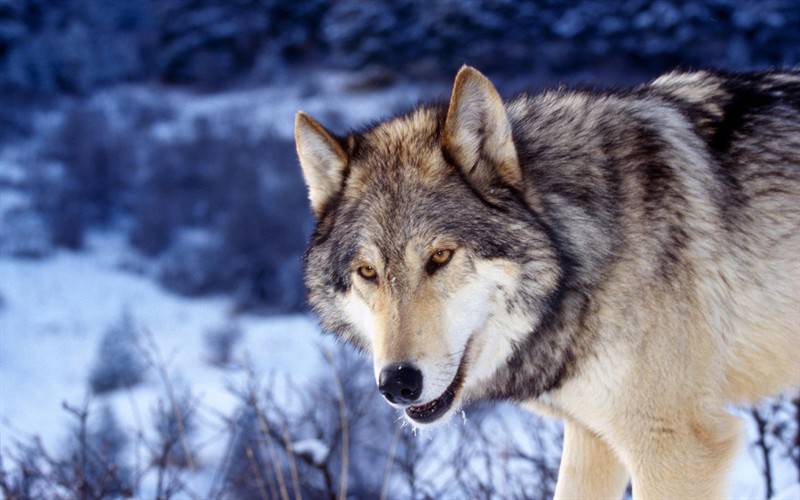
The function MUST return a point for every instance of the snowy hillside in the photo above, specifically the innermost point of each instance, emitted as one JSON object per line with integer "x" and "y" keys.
{"x": 56, "y": 312}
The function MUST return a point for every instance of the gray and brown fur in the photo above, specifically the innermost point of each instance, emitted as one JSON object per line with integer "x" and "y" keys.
{"x": 642, "y": 249}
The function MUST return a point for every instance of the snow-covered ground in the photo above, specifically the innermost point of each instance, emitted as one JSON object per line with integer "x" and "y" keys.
{"x": 746, "y": 479}
{"x": 55, "y": 313}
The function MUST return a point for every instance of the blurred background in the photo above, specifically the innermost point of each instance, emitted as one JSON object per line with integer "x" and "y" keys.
{"x": 154, "y": 340}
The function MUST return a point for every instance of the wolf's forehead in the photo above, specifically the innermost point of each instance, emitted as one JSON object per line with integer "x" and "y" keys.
{"x": 420, "y": 125}
{"x": 400, "y": 189}
{"x": 399, "y": 223}
{"x": 396, "y": 221}
{"x": 406, "y": 146}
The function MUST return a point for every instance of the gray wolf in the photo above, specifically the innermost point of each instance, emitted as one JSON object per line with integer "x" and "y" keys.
{"x": 628, "y": 261}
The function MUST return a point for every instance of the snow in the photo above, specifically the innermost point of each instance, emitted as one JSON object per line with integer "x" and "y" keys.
{"x": 314, "y": 449}
{"x": 745, "y": 476}
{"x": 56, "y": 311}
{"x": 790, "y": 493}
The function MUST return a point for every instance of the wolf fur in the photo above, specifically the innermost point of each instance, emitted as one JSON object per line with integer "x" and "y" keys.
{"x": 628, "y": 261}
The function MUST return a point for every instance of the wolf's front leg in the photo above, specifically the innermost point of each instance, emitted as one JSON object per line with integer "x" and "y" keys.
{"x": 688, "y": 459}
{"x": 589, "y": 468}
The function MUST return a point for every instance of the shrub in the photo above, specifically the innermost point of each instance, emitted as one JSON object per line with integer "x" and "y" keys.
{"x": 84, "y": 177}
{"x": 97, "y": 451}
{"x": 24, "y": 233}
{"x": 25, "y": 480}
{"x": 220, "y": 343}
{"x": 194, "y": 264}
{"x": 98, "y": 164}
{"x": 152, "y": 228}
{"x": 228, "y": 215}
{"x": 265, "y": 226}
{"x": 16, "y": 113}
{"x": 174, "y": 425}
{"x": 221, "y": 208}
{"x": 246, "y": 473}
{"x": 119, "y": 363}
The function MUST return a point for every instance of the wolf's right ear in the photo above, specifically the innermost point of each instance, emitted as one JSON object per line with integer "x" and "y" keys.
{"x": 477, "y": 132}
{"x": 322, "y": 159}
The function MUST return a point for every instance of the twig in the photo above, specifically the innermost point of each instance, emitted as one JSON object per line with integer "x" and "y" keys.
{"x": 796, "y": 446}
{"x": 262, "y": 489}
{"x": 82, "y": 415}
{"x": 387, "y": 473}
{"x": 264, "y": 428}
{"x": 761, "y": 444}
{"x": 160, "y": 367}
{"x": 139, "y": 439}
{"x": 224, "y": 464}
{"x": 292, "y": 465}
{"x": 345, "y": 427}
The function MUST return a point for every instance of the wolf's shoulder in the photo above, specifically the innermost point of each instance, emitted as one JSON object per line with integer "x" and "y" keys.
{"x": 760, "y": 87}
{"x": 721, "y": 100}
{"x": 708, "y": 92}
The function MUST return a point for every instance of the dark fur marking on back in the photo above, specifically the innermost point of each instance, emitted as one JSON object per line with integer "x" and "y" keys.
{"x": 749, "y": 97}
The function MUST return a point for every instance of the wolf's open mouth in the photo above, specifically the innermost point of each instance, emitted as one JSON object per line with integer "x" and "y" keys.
{"x": 432, "y": 410}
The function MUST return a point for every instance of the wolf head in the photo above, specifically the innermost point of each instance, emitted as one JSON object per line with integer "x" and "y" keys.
{"x": 428, "y": 255}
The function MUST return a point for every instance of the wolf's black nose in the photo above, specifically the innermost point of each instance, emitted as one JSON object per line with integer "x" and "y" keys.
{"x": 400, "y": 383}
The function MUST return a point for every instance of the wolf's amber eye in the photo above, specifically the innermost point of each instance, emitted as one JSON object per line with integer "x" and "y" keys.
{"x": 367, "y": 272}
{"x": 441, "y": 257}
{"x": 438, "y": 259}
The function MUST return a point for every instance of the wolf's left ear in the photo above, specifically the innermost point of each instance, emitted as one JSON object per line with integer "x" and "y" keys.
{"x": 477, "y": 133}
{"x": 322, "y": 159}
